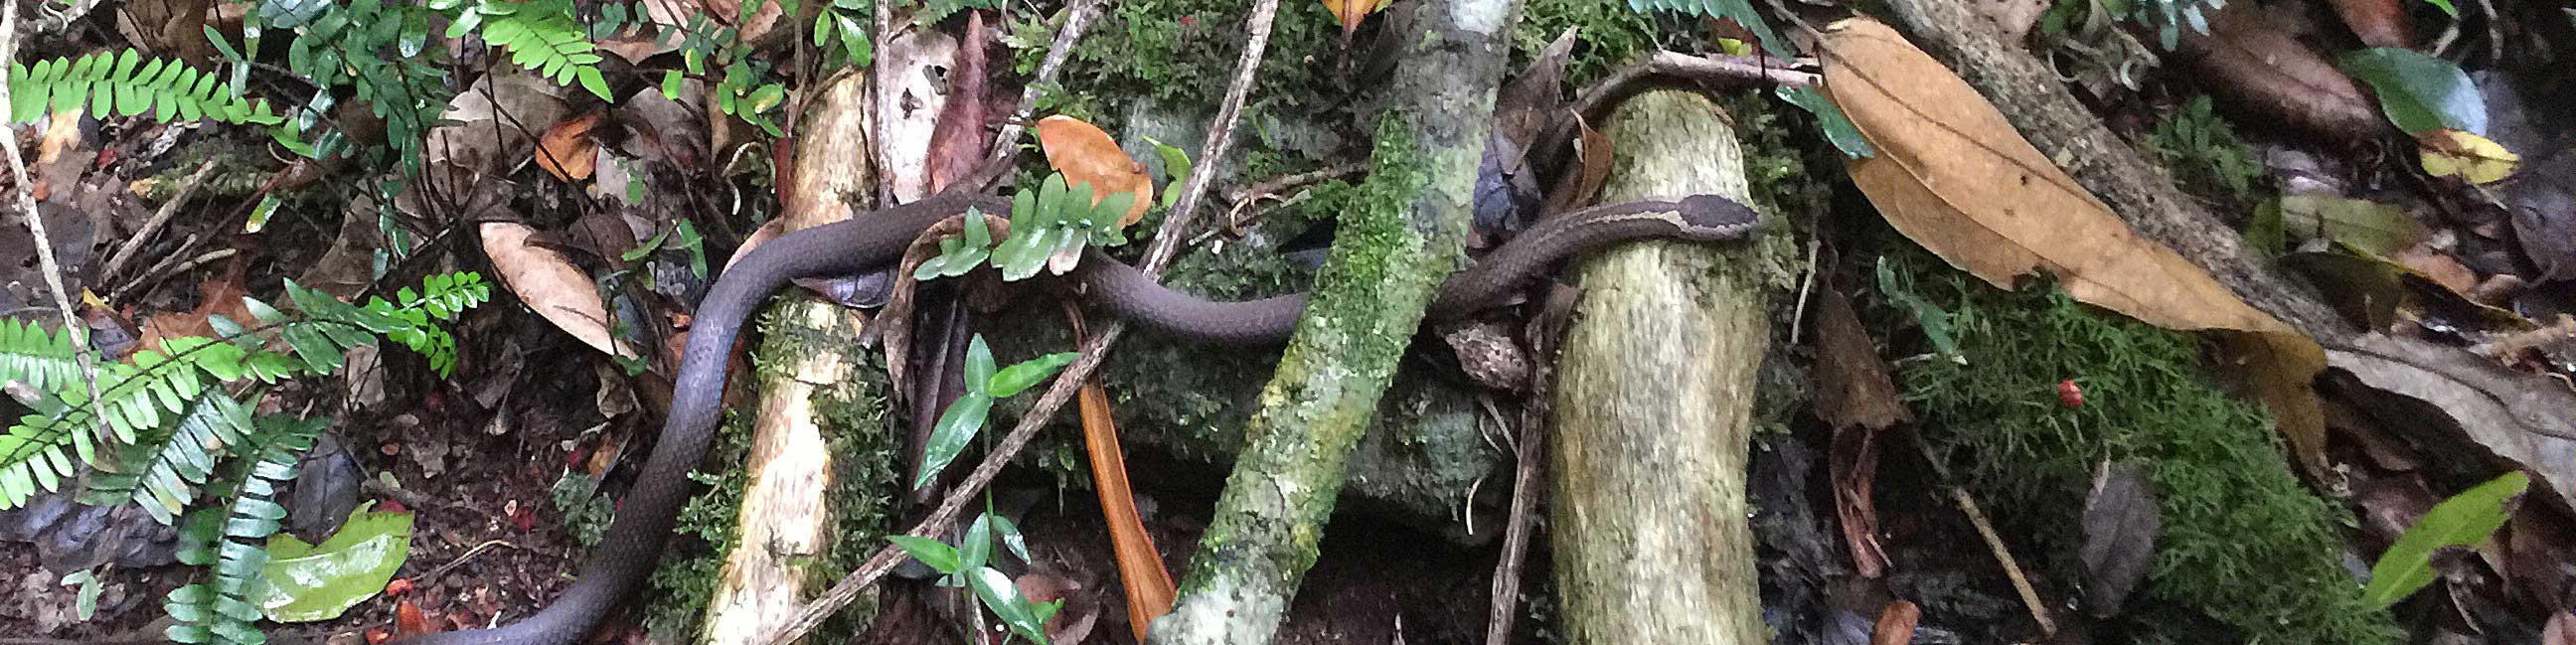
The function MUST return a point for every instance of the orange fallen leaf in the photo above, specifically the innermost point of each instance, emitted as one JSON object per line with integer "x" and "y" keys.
{"x": 1149, "y": 587}
{"x": 550, "y": 284}
{"x": 1351, "y": 12}
{"x": 567, "y": 150}
{"x": 1085, "y": 154}
{"x": 1953, "y": 175}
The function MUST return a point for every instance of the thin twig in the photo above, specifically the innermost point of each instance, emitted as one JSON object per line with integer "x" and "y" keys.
{"x": 1516, "y": 528}
{"x": 21, "y": 191}
{"x": 165, "y": 270}
{"x": 1662, "y": 64}
{"x": 1157, "y": 256}
{"x": 54, "y": 21}
{"x": 1994, "y": 543}
{"x": 997, "y": 162}
{"x": 153, "y": 226}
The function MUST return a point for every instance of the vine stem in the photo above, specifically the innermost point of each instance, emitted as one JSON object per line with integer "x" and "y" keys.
{"x": 1157, "y": 256}
{"x": 22, "y": 192}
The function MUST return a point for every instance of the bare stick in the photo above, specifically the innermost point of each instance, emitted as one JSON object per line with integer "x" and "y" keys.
{"x": 1157, "y": 256}
{"x": 19, "y": 192}
{"x": 997, "y": 163}
{"x": 1995, "y": 543}
{"x": 159, "y": 219}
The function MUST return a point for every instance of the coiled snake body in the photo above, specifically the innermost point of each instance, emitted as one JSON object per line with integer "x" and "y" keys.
{"x": 635, "y": 539}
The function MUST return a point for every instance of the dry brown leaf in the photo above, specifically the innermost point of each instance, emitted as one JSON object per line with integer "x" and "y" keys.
{"x": 2257, "y": 60}
{"x": 219, "y": 295}
{"x": 1896, "y": 623}
{"x": 1953, "y": 175}
{"x": 2379, "y": 23}
{"x": 1085, "y": 154}
{"x": 957, "y": 139}
{"x": 550, "y": 284}
{"x": 567, "y": 150}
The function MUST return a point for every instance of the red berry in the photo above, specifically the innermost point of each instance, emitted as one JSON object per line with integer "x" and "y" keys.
{"x": 398, "y": 587}
{"x": 2070, "y": 394}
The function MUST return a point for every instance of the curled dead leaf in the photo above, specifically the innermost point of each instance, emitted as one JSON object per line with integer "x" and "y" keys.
{"x": 1085, "y": 154}
{"x": 1954, "y": 176}
{"x": 567, "y": 149}
{"x": 2256, "y": 59}
{"x": 550, "y": 284}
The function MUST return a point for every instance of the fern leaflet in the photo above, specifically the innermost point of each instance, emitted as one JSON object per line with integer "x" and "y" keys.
{"x": 122, "y": 83}
{"x": 224, "y": 610}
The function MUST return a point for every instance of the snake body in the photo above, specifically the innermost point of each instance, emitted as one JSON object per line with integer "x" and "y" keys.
{"x": 634, "y": 541}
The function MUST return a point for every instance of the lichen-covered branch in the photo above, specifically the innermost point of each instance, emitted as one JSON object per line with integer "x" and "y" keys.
{"x": 1389, "y": 255}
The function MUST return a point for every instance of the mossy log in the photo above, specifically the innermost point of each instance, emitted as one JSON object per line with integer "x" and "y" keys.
{"x": 1369, "y": 299}
{"x": 1653, "y": 407}
{"x": 784, "y": 523}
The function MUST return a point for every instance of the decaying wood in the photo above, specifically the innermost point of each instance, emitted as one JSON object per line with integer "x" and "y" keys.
{"x": 784, "y": 523}
{"x": 1654, "y": 406}
{"x": 2522, "y": 420}
{"x": 1369, "y": 300}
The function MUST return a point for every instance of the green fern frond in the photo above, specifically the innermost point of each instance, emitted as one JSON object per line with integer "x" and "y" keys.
{"x": 223, "y": 610}
{"x": 121, "y": 83}
{"x": 30, "y": 355}
{"x": 162, "y": 475}
{"x": 540, "y": 36}
{"x": 137, "y": 399}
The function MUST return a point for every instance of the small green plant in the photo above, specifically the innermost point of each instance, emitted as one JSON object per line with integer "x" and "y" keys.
{"x": 742, "y": 86}
{"x": 2166, "y": 17}
{"x": 845, "y": 22}
{"x": 964, "y": 418}
{"x": 966, "y": 566}
{"x": 2196, "y": 140}
{"x": 1049, "y": 227}
{"x": 122, "y": 83}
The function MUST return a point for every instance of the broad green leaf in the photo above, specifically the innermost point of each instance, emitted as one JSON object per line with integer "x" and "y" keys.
{"x": 2464, "y": 520}
{"x": 930, "y": 552}
{"x": 1003, "y": 597}
{"x": 309, "y": 582}
{"x": 1010, "y": 535}
{"x": 949, "y": 437}
{"x": 979, "y": 361}
{"x": 976, "y": 548}
{"x": 1026, "y": 374}
{"x": 1176, "y": 170}
{"x": 2419, "y": 92}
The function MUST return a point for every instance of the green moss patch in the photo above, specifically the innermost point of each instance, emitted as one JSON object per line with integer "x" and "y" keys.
{"x": 2244, "y": 541}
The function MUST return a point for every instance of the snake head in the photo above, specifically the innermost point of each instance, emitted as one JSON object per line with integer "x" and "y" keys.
{"x": 1712, "y": 217}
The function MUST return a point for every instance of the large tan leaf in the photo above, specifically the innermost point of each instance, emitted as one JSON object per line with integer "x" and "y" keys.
{"x": 550, "y": 284}
{"x": 1955, "y": 176}
{"x": 1085, "y": 154}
